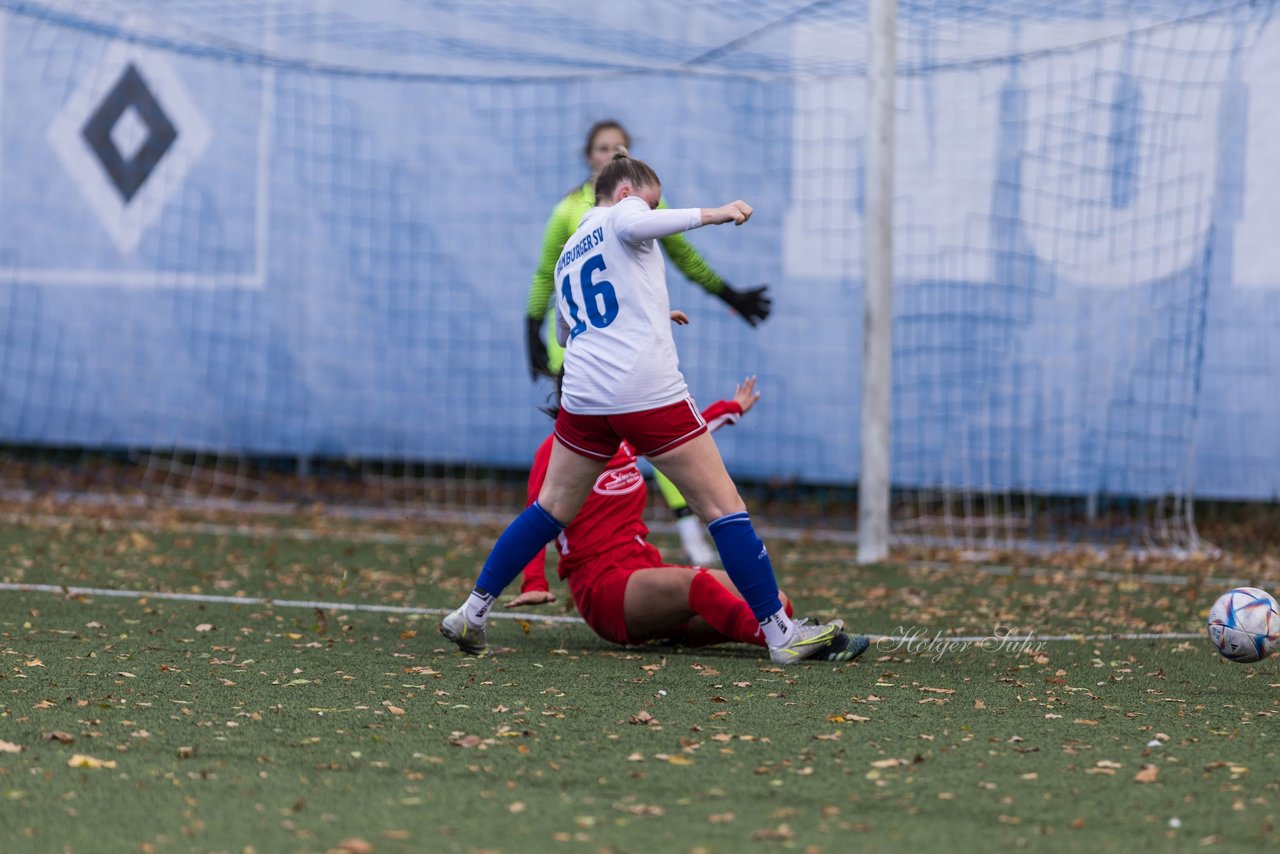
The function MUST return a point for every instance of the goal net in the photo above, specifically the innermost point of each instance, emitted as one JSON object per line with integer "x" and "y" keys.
{"x": 281, "y": 249}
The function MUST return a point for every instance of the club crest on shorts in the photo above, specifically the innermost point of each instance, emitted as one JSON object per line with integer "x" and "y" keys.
{"x": 619, "y": 481}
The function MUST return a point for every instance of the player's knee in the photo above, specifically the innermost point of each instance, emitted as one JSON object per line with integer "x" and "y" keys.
{"x": 563, "y": 504}
{"x": 675, "y": 587}
{"x": 657, "y": 596}
{"x": 709, "y": 510}
{"x": 559, "y": 509}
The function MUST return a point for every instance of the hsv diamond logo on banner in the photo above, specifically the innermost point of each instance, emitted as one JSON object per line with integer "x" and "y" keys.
{"x": 128, "y": 137}
{"x": 134, "y": 167}
{"x": 130, "y": 133}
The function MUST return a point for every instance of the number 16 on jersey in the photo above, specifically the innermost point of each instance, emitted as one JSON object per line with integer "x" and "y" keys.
{"x": 597, "y": 297}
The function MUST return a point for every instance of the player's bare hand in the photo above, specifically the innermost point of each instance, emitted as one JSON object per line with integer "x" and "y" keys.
{"x": 532, "y": 597}
{"x": 746, "y": 394}
{"x": 736, "y": 212}
{"x": 679, "y": 318}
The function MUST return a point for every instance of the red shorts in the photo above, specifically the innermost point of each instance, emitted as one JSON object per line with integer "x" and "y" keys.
{"x": 651, "y": 431}
{"x": 600, "y": 594}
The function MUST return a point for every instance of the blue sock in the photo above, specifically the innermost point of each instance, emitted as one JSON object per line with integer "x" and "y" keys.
{"x": 747, "y": 562}
{"x": 530, "y": 531}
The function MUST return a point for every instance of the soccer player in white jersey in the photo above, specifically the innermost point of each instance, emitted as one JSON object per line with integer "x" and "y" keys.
{"x": 604, "y": 139}
{"x": 622, "y": 382}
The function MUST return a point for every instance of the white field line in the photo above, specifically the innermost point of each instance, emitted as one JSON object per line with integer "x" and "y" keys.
{"x": 388, "y": 538}
{"x": 273, "y": 603}
{"x": 1004, "y": 641}
{"x": 930, "y": 643}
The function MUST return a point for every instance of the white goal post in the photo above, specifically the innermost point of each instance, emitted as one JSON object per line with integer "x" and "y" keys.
{"x": 877, "y": 362}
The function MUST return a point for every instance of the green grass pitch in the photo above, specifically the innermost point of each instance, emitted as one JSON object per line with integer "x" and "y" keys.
{"x": 215, "y": 727}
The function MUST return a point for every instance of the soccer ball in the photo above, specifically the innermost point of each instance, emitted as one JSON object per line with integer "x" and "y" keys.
{"x": 1244, "y": 624}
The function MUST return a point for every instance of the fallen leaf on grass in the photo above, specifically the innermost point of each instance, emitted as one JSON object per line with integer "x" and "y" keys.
{"x": 35, "y": 662}
{"x": 641, "y": 809}
{"x": 1148, "y": 774}
{"x": 81, "y": 760}
{"x": 465, "y": 740}
{"x": 1234, "y": 768}
{"x": 642, "y": 718}
{"x": 978, "y": 704}
{"x": 204, "y": 627}
{"x": 832, "y": 736}
{"x": 888, "y": 763}
{"x": 355, "y": 845}
{"x": 677, "y": 759}
{"x": 9, "y": 747}
{"x": 58, "y": 736}
{"x": 721, "y": 817}
{"x": 938, "y": 690}
{"x": 1085, "y": 722}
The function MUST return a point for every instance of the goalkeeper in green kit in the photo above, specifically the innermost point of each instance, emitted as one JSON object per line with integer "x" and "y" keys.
{"x": 545, "y": 355}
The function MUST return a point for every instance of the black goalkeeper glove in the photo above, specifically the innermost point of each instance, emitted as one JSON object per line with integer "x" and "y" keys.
{"x": 538, "y": 364}
{"x": 752, "y": 305}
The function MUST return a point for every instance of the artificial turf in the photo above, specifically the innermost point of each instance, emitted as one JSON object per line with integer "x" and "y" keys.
{"x": 288, "y": 729}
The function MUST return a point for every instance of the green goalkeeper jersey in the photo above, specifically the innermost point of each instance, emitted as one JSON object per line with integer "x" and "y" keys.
{"x": 560, "y": 227}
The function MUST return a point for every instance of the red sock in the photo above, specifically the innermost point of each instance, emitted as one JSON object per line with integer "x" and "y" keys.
{"x": 723, "y": 611}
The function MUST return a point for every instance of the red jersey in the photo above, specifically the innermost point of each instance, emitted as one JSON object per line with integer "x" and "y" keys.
{"x": 612, "y": 514}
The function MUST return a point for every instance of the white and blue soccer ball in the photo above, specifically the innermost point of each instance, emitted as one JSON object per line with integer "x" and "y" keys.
{"x": 1244, "y": 624}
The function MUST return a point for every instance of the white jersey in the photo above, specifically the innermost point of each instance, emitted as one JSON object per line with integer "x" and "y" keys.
{"x": 612, "y": 305}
